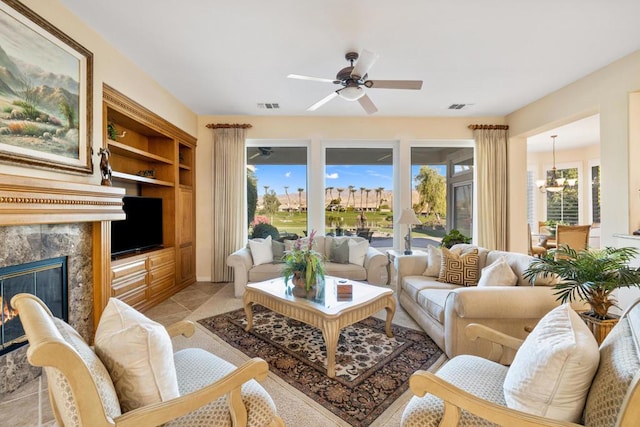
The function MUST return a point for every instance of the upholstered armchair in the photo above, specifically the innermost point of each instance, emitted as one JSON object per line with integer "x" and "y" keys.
{"x": 557, "y": 382}
{"x": 82, "y": 392}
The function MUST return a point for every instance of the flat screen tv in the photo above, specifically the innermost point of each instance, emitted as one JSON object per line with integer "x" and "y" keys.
{"x": 142, "y": 228}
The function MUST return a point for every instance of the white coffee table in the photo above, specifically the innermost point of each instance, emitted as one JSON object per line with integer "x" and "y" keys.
{"x": 330, "y": 315}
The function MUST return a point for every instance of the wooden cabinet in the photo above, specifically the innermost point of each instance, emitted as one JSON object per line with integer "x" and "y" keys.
{"x": 152, "y": 157}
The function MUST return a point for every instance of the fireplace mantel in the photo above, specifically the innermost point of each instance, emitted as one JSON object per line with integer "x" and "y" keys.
{"x": 28, "y": 200}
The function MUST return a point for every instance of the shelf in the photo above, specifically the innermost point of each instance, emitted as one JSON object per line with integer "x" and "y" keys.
{"x": 135, "y": 178}
{"x": 124, "y": 150}
{"x": 185, "y": 167}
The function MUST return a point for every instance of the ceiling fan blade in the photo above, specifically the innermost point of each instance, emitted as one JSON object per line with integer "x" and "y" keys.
{"x": 365, "y": 61}
{"x": 253, "y": 156}
{"x": 323, "y": 101}
{"x": 313, "y": 79}
{"x": 394, "y": 84}
{"x": 367, "y": 104}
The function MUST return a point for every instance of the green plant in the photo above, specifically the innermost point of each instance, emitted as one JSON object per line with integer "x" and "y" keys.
{"x": 453, "y": 238}
{"x": 304, "y": 262}
{"x": 262, "y": 230}
{"x": 588, "y": 275}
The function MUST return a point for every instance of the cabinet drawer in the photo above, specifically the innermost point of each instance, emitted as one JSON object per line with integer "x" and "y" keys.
{"x": 161, "y": 258}
{"x": 163, "y": 284}
{"x": 124, "y": 270}
{"x": 134, "y": 298}
{"x": 128, "y": 284}
{"x": 162, "y": 272}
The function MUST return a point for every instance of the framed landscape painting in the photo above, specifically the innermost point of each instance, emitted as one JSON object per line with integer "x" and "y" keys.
{"x": 45, "y": 94}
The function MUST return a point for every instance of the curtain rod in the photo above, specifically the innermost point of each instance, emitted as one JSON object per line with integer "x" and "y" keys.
{"x": 229, "y": 126}
{"x": 474, "y": 127}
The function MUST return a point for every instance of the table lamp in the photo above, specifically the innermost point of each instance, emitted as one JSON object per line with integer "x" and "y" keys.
{"x": 408, "y": 217}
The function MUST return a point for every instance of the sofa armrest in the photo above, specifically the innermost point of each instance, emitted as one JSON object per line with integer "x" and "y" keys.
{"x": 375, "y": 262}
{"x": 497, "y": 339}
{"x": 507, "y": 309}
{"x": 413, "y": 265}
{"x": 241, "y": 262}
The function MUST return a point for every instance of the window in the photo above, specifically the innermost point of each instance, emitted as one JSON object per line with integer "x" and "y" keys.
{"x": 564, "y": 205}
{"x": 595, "y": 194}
{"x": 277, "y": 188}
{"x": 358, "y": 193}
{"x": 442, "y": 192}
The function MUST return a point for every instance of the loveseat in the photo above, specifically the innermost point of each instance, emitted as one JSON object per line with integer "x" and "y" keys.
{"x": 498, "y": 297}
{"x": 260, "y": 260}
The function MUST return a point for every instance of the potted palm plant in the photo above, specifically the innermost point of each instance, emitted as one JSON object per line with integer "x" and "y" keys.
{"x": 588, "y": 275}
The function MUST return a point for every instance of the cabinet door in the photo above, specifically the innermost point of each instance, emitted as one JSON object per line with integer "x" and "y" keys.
{"x": 185, "y": 217}
{"x": 187, "y": 265}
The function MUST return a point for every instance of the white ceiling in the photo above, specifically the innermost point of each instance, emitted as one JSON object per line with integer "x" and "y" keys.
{"x": 581, "y": 133}
{"x": 225, "y": 57}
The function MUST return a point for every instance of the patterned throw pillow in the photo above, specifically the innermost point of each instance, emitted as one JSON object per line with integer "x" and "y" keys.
{"x": 459, "y": 269}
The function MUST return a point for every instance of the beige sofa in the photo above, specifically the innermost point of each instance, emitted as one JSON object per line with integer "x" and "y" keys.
{"x": 443, "y": 310}
{"x": 373, "y": 270}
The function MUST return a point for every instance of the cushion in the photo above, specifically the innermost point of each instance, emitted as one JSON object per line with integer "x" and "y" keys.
{"x": 498, "y": 274}
{"x": 339, "y": 252}
{"x": 434, "y": 262}
{"x": 138, "y": 355}
{"x": 261, "y": 250}
{"x": 552, "y": 371}
{"x": 357, "y": 251}
{"x": 459, "y": 269}
{"x": 278, "y": 251}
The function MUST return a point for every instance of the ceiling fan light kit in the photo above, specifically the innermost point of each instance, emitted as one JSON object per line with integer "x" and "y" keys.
{"x": 354, "y": 77}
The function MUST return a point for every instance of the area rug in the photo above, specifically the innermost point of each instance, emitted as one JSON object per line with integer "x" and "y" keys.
{"x": 372, "y": 370}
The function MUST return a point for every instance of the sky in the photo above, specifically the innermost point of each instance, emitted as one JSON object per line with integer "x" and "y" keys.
{"x": 338, "y": 176}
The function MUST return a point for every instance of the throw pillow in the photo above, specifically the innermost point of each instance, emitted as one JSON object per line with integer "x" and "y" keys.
{"x": 339, "y": 251}
{"x": 357, "y": 251}
{"x": 261, "y": 250}
{"x": 552, "y": 371}
{"x": 434, "y": 261}
{"x": 459, "y": 269}
{"x": 138, "y": 354}
{"x": 498, "y": 274}
{"x": 278, "y": 251}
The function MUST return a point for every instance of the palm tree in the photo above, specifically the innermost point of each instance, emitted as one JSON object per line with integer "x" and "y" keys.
{"x": 300, "y": 190}
{"x": 340, "y": 190}
{"x": 266, "y": 191}
{"x": 352, "y": 192}
{"x": 361, "y": 193}
{"x": 286, "y": 192}
{"x": 379, "y": 191}
{"x": 368, "y": 190}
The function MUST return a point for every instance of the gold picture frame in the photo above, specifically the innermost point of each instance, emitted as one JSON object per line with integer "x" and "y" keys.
{"x": 46, "y": 94}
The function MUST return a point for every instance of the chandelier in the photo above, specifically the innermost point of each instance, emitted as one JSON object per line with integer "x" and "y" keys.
{"x": 553, "y": 183}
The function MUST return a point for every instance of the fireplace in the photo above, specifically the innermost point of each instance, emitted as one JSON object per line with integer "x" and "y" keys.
{"x": 47, "y": 279}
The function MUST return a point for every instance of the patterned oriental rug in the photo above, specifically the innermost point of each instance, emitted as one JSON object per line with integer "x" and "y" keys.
{"x": 372, "y": 370}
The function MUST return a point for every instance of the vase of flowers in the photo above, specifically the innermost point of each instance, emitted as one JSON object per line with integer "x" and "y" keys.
{"x": 303, "y": 265}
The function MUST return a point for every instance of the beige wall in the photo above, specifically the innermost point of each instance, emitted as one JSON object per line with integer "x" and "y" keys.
{"x": 113, "y": 68}
{"x": 606, "y": 92}
{"x": 315, "y": 131}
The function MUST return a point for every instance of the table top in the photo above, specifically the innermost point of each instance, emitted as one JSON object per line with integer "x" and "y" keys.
{"x": 362, "y": 293}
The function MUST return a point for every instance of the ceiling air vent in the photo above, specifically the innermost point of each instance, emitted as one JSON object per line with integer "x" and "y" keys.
{"x": 457, "y": 106}
{"x": 269, "y": 105}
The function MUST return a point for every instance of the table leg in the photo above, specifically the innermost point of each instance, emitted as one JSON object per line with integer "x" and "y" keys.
{"x": 391, "y": 310}
{"x": 331, "y": 333}
{"x": 248, "y": 309}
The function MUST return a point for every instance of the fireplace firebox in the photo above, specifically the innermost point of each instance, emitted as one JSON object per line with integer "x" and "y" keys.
{"x": 47, "y": 279}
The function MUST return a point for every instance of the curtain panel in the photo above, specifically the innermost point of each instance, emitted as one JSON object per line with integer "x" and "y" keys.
{"x": 229, "y": 194}
{"x": 491, "y": 153}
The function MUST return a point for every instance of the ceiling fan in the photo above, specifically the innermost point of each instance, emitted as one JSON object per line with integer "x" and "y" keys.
{"x": 354, "y": 77}
{"x": 265, "y": 152}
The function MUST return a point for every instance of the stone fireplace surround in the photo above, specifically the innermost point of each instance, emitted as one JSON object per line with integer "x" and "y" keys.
{"x": 41, "y": 219}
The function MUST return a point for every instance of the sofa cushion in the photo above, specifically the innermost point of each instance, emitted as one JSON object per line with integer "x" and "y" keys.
{"x": 463, "y": 248}
{"x": 553, "y": 369}
{"x": 346, "y": 271}
{"x": 459, "y": 269}
{"x": 278, "y": 251}
{"x": 357, "y": 251}
{"x": 339, "y": 251}
{"x": 260, "y": 273}
{"x": 138, "y": 355}
{"x": 261, "y": 250}
{"x": 498, "y": 273}
{"x": 318, "y": 244}
{"x": 432, "y": 301}
{"x": 412, "y": 285}
{"x": 434, "y": 261}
